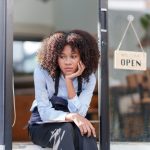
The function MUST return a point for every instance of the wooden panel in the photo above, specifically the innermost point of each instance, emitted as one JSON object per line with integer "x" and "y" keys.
{"x": 23, "y": 104}
{"x": 94, "y": 102}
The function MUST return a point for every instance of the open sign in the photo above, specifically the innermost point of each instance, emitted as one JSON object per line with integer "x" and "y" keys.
{"x": 130, "y": 60}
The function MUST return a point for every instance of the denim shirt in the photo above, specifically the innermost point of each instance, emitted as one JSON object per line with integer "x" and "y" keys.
{"x": 44, "y": 89}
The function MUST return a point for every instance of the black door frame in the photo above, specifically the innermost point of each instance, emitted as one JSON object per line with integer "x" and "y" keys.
{"x": 6, "y": 61}
{"x": 104, "y": 97}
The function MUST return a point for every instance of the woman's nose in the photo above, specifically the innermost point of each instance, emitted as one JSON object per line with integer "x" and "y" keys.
{"x": 68, "y": 61}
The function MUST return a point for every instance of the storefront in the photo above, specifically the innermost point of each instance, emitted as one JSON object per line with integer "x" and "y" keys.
{"x": 121, "y": 101}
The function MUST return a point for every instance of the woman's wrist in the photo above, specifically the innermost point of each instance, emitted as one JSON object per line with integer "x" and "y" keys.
{"x": 70, "y": 116}
{"x": 68, "y": 78}
{"x": 70, "y": 88}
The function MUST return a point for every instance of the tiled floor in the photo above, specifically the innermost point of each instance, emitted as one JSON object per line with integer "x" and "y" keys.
{"x": 114, "y": 146}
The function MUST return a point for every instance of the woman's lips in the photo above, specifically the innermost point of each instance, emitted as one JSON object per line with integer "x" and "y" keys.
{"x": 68, "y": 69}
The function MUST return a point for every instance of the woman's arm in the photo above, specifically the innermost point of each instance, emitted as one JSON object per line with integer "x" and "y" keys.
{"x": 70, "y": 88}
{"x": 68, "y": 79}
{"x": 80, "y": 104}
{"x": 47, "y": 113}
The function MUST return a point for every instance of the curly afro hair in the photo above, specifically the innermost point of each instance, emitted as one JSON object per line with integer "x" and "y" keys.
{"x": 53, "y": 45}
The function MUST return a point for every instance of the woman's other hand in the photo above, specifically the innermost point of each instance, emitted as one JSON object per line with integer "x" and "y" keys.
{"x": 79, "y": 71}
{"x": 82, "y": 123}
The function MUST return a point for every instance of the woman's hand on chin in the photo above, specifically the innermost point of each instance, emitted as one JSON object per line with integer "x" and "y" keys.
{"x": 80, "y": 70}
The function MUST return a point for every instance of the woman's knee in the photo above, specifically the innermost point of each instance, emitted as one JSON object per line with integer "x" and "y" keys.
{"x": 67, "y": 126}
{"x": 68, "y": 129}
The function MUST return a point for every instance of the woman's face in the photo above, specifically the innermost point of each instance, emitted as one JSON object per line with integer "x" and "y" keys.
{"x": 68, "y": 60}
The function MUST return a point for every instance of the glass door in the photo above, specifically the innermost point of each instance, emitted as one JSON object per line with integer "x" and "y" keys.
{"x": 129, "y": 90}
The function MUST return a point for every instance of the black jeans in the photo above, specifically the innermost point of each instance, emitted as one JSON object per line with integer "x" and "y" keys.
{"x": 61, "y": 136}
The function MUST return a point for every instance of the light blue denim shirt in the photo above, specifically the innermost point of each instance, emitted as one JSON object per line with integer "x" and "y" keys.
{"x": 78, "y": 104}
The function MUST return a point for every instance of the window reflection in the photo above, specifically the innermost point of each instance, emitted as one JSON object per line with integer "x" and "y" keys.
{"x": 24, "y": 56}
{"x": 129, "y": 90}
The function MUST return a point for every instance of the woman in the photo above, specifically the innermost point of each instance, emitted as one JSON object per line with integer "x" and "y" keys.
{"x": 65, "y": 73}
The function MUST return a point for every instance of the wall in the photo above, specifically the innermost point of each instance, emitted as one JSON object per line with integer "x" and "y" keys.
{"x": 33, "y": 17}
{"x": 36, "y": 17}
{"x": 82, "y": 14}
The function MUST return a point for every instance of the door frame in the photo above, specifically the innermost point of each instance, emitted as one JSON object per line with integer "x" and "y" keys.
{"x": 104, "y": 90}
{"x": 6, "y": 61}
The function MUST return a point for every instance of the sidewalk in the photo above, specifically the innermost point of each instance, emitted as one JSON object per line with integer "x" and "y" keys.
{"x": 114, "y": 146}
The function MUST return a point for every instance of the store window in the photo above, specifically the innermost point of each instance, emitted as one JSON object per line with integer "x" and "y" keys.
{"x": 129, "y": 90}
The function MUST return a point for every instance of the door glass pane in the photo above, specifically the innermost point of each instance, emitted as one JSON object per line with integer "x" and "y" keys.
{"x": 129, "y": 89}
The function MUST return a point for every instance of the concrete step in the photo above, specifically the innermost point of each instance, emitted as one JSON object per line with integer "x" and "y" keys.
{"x": 113, "y": 146}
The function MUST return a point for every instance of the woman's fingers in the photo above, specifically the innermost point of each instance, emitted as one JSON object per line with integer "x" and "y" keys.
{"x": 88, "y": 131}
{"x": 84, "y": 125}
{"x": 87, "y": 128}
{"x": 81, "y": 67}
{"x": 82, "y": 129}
{"x": 92, "y": 129}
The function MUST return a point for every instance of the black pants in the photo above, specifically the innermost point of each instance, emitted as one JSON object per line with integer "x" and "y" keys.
{"x": 61, "y": 136}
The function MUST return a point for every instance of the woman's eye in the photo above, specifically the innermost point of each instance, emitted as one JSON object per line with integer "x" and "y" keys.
{"x": 62, "y": 57}
{"x": 74, "y": 56}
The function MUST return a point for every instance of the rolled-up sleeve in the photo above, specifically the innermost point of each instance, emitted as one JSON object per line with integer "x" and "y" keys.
{"x": 47, "y": 113}
{"x": 80, "y": 104}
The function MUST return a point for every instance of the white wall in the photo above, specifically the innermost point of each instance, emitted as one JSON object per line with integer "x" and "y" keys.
{"x": 33, "y": 12}
{"x": 36, "y": 17}
{"x": 72, "y": 14}
{"x": 33, "y": 17}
